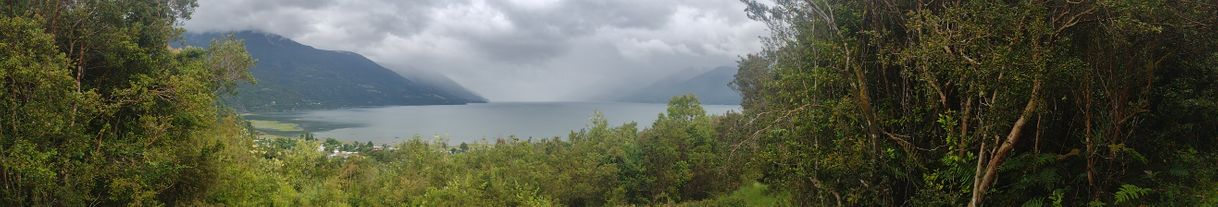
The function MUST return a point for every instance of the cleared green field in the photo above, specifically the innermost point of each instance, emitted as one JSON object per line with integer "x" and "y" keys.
{"x": 755, "y": 194}
{"x": 272, "y": 125}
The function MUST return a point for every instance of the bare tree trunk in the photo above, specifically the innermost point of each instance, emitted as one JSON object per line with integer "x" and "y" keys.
{"x": 991, "y": 169}
{"x": 1087, "y": 132}
{"x": 55, "y": 17}
{"x": 961, "y": 142}
{"x": 977, "y": 174}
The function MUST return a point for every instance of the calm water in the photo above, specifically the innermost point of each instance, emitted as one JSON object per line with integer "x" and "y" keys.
{"x": 472, "y": 122}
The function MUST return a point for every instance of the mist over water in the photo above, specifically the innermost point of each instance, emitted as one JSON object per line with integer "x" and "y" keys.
{"x": 475, "y": 122}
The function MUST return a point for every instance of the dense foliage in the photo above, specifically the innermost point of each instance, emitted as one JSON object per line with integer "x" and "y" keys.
{"x": 675, "y": 160}
{"x": 852, "y": 103}
{"x": 98, "y": 110}
{"x": 1001, "y": 103}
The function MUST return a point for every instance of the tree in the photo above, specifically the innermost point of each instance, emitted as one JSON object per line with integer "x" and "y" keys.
{"x": 680, "y": 151}
{"x": 229, "y": 63}
{"x": 128, "y": 119}
{"x": 37, "y": 99}
{"x": 897, "y": 103}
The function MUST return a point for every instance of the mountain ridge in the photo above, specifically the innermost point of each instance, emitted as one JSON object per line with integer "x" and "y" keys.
{"x": 710, "y": 86}
{"x": 293, "y": 76}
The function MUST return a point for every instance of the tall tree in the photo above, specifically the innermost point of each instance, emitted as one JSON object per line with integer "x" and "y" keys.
{"x": 110, "y": 114}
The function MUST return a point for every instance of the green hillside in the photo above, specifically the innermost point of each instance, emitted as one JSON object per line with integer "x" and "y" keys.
{"x": 292, "y": 76}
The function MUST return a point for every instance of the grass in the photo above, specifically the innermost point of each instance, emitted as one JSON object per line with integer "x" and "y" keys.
{"x": 755, "y": 194}
{"x": 759, "y": 194}
{"x": 275, "y": 126}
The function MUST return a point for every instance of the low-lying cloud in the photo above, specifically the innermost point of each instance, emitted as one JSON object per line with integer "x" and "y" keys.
{"x": 510, "y": 50}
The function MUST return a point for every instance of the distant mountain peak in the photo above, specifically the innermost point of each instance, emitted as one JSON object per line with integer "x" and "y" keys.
{"x": 711, "y": 87}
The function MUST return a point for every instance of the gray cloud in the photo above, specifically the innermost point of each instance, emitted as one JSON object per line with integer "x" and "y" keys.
{"x": 510, "y": 50}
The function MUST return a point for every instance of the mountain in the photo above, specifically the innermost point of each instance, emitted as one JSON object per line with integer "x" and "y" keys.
{"x": 711, "y": 87}
{"x": 441, "y": 82}
{"x": 292, "y": 76}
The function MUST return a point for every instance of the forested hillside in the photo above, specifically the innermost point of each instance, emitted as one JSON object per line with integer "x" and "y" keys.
{"x": 851, "y": 103}
{"x": 293, "y": 76}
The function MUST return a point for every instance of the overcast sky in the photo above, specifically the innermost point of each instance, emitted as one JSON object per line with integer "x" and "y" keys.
{"x": 510, "y": 50}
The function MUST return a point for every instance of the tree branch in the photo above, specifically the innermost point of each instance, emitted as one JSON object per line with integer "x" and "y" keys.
{"x": 991, "y": 171}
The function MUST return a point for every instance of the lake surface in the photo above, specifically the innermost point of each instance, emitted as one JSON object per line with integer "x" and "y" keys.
{"x": 471, "y": 122}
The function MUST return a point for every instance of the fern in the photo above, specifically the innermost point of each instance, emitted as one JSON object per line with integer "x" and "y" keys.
{"x": 1055, "y": 199}
{"x": 1129, "y": 193}
{"x": 1037, "y": 202}
{"x": 1058, "y": 196}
